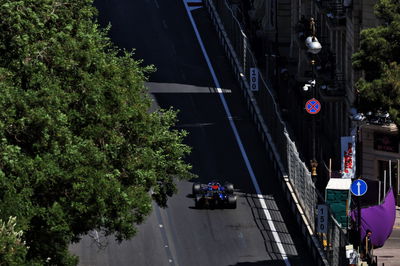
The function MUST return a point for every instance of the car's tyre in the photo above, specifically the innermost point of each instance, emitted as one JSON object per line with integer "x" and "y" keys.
{"x": 229, "y": 188}
{"x": 196, "y": 188}
{"x": 199, "y": 202}
{"x": 232, "y": 201}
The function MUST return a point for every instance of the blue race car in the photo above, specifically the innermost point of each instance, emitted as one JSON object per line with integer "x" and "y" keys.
{"x": 214, "y": 195}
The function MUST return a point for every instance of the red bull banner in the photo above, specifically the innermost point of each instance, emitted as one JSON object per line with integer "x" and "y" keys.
{"x": 348, "y": 153}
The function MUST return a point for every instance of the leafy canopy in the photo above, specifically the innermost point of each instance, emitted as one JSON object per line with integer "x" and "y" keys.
{"x": 79, "y": 149}
{"x": 12, "y": 247}
{"x": 379, "y": 59}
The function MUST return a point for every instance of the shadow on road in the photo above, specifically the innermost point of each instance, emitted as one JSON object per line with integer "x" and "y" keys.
{"x": 260, "y": 263}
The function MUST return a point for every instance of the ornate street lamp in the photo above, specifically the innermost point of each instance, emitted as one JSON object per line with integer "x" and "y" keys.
{"x": 314, "y": 47}
{"x": 312, "y": 43}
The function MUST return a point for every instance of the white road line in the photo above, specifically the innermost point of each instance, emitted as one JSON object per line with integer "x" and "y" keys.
{"x": 157, "y": 5}
{"x": 239, "y": 142}
{"x": 97, "y": 236}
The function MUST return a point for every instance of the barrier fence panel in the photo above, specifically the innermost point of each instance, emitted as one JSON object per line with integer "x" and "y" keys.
{"x": 282, "y": 150}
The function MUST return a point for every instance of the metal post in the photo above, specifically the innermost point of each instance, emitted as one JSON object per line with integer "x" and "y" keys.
{"x": 314, "y": 163}
{"x": 314, "y": 48}
{"x": 390, "y": 173}
{"x": 358, "y": 150}
{"x": 398, "y": 177}
{"x": 313, "y": 137}
{"x": 384, "y": 183}
{"x": 359, "y": 222}
{"x": 379, "y": 192}
{"x": 357, "y": 174}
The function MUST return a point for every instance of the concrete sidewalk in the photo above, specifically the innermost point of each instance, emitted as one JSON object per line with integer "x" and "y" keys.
{"x": 389, "y": 254}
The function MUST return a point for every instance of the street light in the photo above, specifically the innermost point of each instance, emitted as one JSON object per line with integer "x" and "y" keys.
{"x": 312, "y": 43}
{"x": 308, "y": 85}
{"x": 314, "y": 47}
{"x": 313, "y": 161}
{"x": 359, "y": 119}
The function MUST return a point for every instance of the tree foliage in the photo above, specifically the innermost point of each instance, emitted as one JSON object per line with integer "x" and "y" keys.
{"x": 379, "y": 58}
{"x": 79, "y": 149}
{"x": 12, "y": 247}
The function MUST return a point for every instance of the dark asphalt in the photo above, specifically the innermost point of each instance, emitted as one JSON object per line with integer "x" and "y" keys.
{"x": 181, "y": 235}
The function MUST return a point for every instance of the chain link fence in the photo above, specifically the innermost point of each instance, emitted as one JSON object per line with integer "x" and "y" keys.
{"x": 282, "y": 150}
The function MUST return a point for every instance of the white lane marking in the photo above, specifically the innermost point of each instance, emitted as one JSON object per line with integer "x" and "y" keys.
{"x": 157, "y": 5}
{"x": 195, "y": 7}
{"x": 96, "y": 236}
{"x": 164, "y": 236}
{"x": 239, "y": 142}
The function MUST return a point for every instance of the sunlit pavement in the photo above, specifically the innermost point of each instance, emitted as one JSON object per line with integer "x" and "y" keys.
{"x": 389, "y": 254}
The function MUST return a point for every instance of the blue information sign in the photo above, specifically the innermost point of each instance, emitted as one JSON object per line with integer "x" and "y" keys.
{"x": 358, "y": 187}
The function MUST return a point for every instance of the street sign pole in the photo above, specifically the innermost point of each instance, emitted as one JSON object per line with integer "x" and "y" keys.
{"x": 313, "y": 106}
{"x": 359, "y": 242}
{"x": 322, "y": 226}
{"x": 359, "y": 188}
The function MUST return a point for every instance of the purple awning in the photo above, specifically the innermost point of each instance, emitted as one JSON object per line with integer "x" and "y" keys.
{"x": 379, "y": 219}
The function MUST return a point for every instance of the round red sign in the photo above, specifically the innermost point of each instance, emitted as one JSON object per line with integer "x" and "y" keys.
{"x": 313, "y": 106}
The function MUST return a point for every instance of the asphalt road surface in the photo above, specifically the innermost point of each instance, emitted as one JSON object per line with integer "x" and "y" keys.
{"x": 162, "y": 35}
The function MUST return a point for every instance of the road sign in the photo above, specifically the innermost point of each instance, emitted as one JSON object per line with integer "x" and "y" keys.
{"x": 322, "y": 226}
{"x": 358, "y": 187}
{"x": 313, "y": 106}
{"x": 254, "y": 79}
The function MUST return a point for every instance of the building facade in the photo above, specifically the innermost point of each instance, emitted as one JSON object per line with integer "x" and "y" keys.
{"x": 380, "y": 160}
{"x": 281, "y": 27}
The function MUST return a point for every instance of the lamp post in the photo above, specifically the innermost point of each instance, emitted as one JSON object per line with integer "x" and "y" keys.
{"x": 314, "y": 47}
{"x": 313, "y": 161}
{"x": 359, "y": 119}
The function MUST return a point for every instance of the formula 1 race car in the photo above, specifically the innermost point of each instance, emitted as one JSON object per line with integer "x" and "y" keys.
{"x": 214, "y": 195}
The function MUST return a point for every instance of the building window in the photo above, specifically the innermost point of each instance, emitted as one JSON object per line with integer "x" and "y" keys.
{"x": 386, "y": 142}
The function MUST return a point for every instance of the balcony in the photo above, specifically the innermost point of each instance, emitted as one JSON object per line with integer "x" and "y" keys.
{"x": 348, "y": 3}
{"x": 332, "y": 86}
{"x": 334, "y": 10}
{"x": 322, "y": 4}
{"x": 302, "y": 30}
{"x": 336, "y": 15}
{"x": 331, "y": 82}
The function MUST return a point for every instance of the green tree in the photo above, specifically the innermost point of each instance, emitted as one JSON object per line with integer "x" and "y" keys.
{"x": 379, "y": 58}
{"x": 79, "y": 149}
{"x": 12, "y": 247}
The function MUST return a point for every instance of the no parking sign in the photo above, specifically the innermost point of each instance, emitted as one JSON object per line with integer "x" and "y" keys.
{"x": 313, "y": 106}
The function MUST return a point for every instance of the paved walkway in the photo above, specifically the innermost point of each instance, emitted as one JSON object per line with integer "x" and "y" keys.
{"x": 389, "y": 254}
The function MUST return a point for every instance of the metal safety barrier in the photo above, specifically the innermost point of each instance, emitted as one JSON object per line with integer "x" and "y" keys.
{"x": 295, "y": 178}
